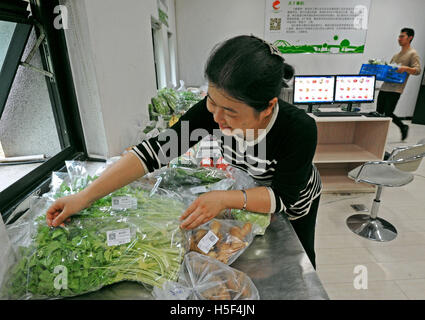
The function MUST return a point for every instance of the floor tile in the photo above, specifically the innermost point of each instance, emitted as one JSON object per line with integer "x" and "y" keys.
{"x": 343, "y": 256}
{"x": 377, "y": 290}
{"x": 398, "y": 254}
{"x": 413, "y": 289}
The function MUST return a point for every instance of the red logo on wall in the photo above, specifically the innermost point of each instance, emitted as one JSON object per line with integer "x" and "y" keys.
{"x": 276, "y": 5}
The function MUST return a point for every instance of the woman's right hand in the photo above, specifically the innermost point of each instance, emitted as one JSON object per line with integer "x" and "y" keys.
{"x": 63, "y": 208}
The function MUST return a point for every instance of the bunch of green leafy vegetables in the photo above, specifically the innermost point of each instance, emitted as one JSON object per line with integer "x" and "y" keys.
{"x": 80, "y": 254}
{"x": 165, "y": 102}
{"x": 154, "y": 255}
{"x": 183, "y": 176}
{"x": 186, "y": 99}
{"x": 150, "y": 206}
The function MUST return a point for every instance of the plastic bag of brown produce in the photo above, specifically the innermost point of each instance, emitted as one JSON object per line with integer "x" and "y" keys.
{"x": 204, "y": 278}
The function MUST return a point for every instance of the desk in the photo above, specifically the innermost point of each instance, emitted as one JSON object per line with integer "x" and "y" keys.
{"x": 343, "y": 143}
{"x": 276, "y": 263}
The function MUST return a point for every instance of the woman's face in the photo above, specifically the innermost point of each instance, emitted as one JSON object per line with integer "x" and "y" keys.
{"x": 234, "y": 116}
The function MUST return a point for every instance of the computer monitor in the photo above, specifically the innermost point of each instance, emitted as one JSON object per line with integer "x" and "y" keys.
{"x": 355, "y": 88}
{"x": 311, "y": 90}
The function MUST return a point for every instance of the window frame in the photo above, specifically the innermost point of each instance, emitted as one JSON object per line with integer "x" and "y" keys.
{"x": 65, "y": 109}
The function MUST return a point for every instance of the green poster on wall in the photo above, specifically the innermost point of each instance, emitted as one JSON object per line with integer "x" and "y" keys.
{"x": 317, "y": 26}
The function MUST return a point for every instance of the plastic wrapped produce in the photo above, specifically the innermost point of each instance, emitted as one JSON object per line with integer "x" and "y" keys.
{"x": 204, "y": 278}
{"x": 90, "y": 253}
{"x": 224, "y": 240}
{"x": 260, "y": 221}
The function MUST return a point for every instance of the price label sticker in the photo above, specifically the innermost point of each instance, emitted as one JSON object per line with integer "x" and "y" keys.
{"x": 121, "y": 203}
{"x": 207, "y": 242}
{"x": 196, "y": 190}
{"x": 118, "y": 237}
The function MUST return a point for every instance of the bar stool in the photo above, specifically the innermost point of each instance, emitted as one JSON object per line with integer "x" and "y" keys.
{"x": 394, "y": 172}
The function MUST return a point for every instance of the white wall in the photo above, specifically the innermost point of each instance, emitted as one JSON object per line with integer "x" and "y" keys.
{"x": 111, "y": 53}
{"x": 203, "y": 23}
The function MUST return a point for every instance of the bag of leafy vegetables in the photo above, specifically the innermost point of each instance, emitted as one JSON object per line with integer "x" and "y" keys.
{"x": 243, "y": 180}
{"x": 204, "y": 278}
{"x": 182, "y": 176}
{"x": 189, "y": 183}
{"x": 260, "y": 221}
{"x": 224, "y": 240}
{"x": 90, "y": 253}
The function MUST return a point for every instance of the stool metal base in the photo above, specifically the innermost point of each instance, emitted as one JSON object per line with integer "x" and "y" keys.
{"x": 376, "y": 229}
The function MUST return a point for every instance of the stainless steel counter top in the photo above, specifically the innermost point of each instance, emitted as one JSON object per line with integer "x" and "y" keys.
{"x": 276, "y": 263}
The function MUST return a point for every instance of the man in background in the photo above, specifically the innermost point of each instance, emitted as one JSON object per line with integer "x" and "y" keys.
{"x": 389, "y": 93}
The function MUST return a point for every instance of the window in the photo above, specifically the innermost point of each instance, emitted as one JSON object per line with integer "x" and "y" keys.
{"x": 159, "y": 55}
{"x": 38, "y": 109}
{"x": 173, "y": 59}
{"x": 6, "y": 32}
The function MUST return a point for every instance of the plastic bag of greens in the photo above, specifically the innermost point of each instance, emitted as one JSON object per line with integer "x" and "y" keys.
{"x": 138, "y": 200}
{"x": 190, "y": 183}
{"x": 182, "y": 176}
{"x": 90, "y": 253}
{"x": 188, "y": 159}
{"x": 243, "y": 180}
{"x": 204, "y": 278}
{"x": 260, "y": 221}
{"x": 224, "y": 240}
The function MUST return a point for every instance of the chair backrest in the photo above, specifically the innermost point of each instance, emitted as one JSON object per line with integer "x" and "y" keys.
{"x": 408, "y": 158}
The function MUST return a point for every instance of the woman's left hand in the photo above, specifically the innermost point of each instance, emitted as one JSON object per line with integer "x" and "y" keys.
{"x": 203, "y": 209}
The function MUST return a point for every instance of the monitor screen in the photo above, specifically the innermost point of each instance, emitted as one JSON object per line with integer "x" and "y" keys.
{"x": 313, "y": 89}
{"x": 355, "y": 88}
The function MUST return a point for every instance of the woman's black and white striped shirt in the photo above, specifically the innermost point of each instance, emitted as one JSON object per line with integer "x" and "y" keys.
{"x": 281, "y": 158}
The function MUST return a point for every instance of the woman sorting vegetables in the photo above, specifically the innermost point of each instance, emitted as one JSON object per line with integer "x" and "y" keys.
{"x": 270, "y": 139}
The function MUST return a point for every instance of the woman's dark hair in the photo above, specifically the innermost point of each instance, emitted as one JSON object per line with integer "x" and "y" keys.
{"x": 410, "y": 32}
{"x": 246, "y": 69}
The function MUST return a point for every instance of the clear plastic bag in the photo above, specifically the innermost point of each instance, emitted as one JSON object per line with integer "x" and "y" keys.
{"x": 135, "y": 199}
{"x": 243, "y": 180}
{"x": 181, "y": 176}
{"x": 90, "y": 253}
{"x": 260, "y": 221}
{"x": 224, "y": 240}
{"x": 204, "y": 278}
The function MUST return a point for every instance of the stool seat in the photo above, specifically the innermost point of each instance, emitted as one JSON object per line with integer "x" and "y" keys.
{"x": 393, "y": 172}
{"x": 382, "y": 174}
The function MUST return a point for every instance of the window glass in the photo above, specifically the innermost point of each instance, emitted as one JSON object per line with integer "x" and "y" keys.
{"x": 6, "y": 33}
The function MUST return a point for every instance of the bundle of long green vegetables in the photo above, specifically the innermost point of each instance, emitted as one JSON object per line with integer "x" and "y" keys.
{"x": 153, "y": 255}
{"x": 186, "y": 100}
{"x": 168, "y": 102}
{"x": 182, "y": 176}
{"x": 81, "y": 258}
{"x": 165, "y": 102}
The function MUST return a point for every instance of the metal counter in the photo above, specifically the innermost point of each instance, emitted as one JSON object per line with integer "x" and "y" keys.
{"x": 276, "y": 263}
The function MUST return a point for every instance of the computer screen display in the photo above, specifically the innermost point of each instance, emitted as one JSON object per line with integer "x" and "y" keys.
{"x": 313, "y": 89}
{"x": 355, "y": 88}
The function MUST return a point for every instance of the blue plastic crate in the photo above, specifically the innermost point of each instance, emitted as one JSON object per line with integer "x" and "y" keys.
{"x": 383, "y": 73}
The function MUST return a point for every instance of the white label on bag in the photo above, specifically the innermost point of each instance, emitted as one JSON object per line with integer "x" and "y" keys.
{"x": 117, "y": 237}
{"x": 206, "y": 243}
{"x": 120, "y": 203}
{"x": 196, "y": 190}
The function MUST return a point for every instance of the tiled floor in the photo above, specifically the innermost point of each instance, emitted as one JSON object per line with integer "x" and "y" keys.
{"x": 395, "y": 269}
